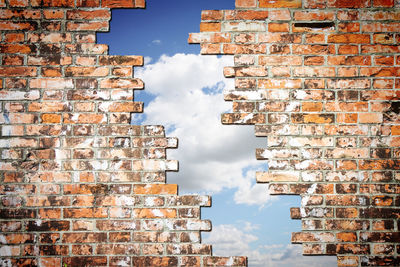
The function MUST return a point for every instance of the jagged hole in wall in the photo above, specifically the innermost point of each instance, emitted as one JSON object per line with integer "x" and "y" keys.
{"x": 184, "y": 92}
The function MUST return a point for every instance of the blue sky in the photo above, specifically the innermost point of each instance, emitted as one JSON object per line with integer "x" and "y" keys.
{"x": 184, "y": 93}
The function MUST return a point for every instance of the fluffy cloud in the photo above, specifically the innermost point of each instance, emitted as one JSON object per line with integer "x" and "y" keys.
{"x": 229, "y": 240}
{"x": 186, "y": 97}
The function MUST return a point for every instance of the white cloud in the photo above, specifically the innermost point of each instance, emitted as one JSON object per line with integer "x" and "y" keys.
{"x": 156, "y": 42}
{"x": 189, "y": 101}
{"x": 252, "y": 193}
{"x": 229, "y": 240}
{"x": 147, "y": 60}
{"x": 248, "y": 226}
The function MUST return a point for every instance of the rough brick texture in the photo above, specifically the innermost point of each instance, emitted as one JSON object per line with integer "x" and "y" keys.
{"x": 321, "y": 81}
{"x": 80, "y": 186}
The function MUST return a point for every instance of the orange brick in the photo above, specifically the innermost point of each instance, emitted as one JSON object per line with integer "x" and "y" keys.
{"x": 212, "y": 14}
{"x": 85, "y": 213}
{"x": 314, "y": 15}
{"x": 349, "y": 3}
{"x": 86, "y": 71}
{"x": 312, "y": 106}
{"x": 385, "y": 60}
{"x": 77, "y": 14}
{"x": 348, "y": 49}
{"x": 395, "y": 130}
{"x": 346, "y": 237}
{"x": 50, "y": 213}
{"x": 370, "y": 117}
{"x": 281, "y": 3}
{"x": 118, "y": 3}
{"x": 276, "y": 14}
{"x": 245, "y": 3}
{"x": 51, "y": 118}
{"x": 210, "y": 27}
{"x": 53, "y": 3}
{"x": 18, "y": 3}
{"x": 51, "y": 72}
{"x": 349, "y": 27}
{"x": 85, "y": 118}
{"x": 384, "y": 38}
{"x": 154, "y": 213}
{"x": 278, "y": 27}
{"x": 383, "y": 3}
{"x": 156, "y": 189}
{"x": 347, "y": 118}
{"x": 383, "y": 200}
{"x": 312, "y": 118}
{"x": 245, "y": 15}
{"x": 349, "y": 38}
{"x": 18, "y": 71}
{"x": 315, "y": 38}
{"x": 14, "y": 37}
{"x": 53, "y": 14}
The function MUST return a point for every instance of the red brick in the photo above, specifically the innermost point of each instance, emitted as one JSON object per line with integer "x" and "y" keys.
{"x": 349, "y": 3}
{"x": 349, "y": 27}
{"x": 53, "y": 14}
{"x": 240, "y": 118}
{"x": 99, "y": 14}
{"x": 282, "y": 3}
{"x": 277, "y": 14}
{"x": 245, "y": 15}
{"x": 154, "y": 261}
{"x": 384, "y": 38}
{"x": 245, "y": 3}
{"x": 278, "y": 27}
{"x": 314, "y": 15}
{"x": 85, "y": 261}
{"x": 87, "y": 26}
{"x": 210, "y": 27}
{"x": 279, "y": 38}
{"x": 121, "y": 60}
{"x": 12, "y": 26}
{"x": 223, "y": 261}
{"x": 349, "y": 38}
{"x": 155, "y": 189}
{"x": 383, "y": 3}
{"x": 14, "y": 37}
{"x": 348, "y": 49}
{"x": 212, "y": 15}
{"x": 121, "y": 3}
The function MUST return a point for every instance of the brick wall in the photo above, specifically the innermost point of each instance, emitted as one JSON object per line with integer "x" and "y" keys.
{"x": 320, "y": 80}
{"x": 80, "y": 186}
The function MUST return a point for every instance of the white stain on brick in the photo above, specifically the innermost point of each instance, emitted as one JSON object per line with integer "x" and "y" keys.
{"x": 306, "y": 198}
{"x": 125, "y": 201}
{"x": 99, "y": 165}
{"x": 244, "y": 26}
{"x": 157, "y": 213}
{"x": 5, "y": 251}
{"x": 5, "y": 263}
{"x": 246, "y": 119}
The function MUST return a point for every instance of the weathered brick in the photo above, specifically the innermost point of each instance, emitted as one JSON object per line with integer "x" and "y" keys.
{"x": 245, "y": 15}
{"x": 245, "y": 3}
{"x": 282, "y": 3}
{"x": 349, "y": 4}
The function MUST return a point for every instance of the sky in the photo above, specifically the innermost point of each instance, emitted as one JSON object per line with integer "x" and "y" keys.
{"x": 184, "y": 92}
